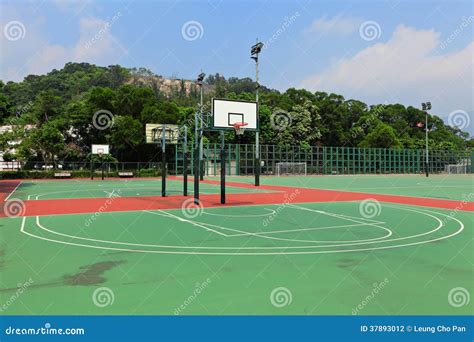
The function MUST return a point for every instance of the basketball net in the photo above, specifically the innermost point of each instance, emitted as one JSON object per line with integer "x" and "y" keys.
{"x": 240, "y": 127}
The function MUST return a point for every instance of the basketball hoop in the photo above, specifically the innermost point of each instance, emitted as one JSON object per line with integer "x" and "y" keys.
{"x": 239, "y": 127}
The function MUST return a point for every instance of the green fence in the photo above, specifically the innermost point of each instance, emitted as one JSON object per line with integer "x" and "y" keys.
{"x": 326, "y": 160}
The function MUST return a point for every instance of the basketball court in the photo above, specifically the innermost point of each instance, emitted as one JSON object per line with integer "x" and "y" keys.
{"x": 291, "y": 245}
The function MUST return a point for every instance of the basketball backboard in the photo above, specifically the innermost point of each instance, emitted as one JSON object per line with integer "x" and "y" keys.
{"x": 100, "y": 149}
{"x": 154, "y": 133}
{"x": 225, "y": 113}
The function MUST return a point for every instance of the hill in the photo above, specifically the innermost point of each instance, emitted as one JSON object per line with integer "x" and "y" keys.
{"x": 62, "y": 104}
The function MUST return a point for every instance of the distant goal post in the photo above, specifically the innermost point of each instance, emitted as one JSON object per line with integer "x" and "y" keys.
{"x": 290, "y": 169}
{"x": 457, "y": 169}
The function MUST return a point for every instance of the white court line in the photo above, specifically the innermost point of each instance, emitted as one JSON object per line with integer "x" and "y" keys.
{"x": 263, "y": 234}
{"x": 289, "y": 247}
{"x": 309, "y": 229}
{"x": 11, "y": 193}
{"x": 461, "y": 225}
{"x": 241, "y": 215}
{"x": 194, "y": 223}
{"x": 345, "y": 217}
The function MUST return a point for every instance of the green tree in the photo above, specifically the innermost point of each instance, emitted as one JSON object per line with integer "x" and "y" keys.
{"x": 127, "y": 134}
{"x": 46, "y": 142}
{"x": 381, "y": 136}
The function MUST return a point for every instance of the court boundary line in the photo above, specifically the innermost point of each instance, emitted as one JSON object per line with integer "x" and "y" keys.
{"x": 11, "y": 193}
{"x": 461, "y": 228}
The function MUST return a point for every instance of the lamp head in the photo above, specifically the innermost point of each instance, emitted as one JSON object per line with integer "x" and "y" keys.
{"x": 256, "y": 49}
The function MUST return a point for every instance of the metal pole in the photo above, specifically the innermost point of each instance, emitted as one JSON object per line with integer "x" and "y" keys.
{"x": 92, "y": 167}
{"x": 196, "y": 159}
{"x": 201, "y": 149}
{"x": 222, "y": 167}
{"x": 426, "y": 142}
{"x": 257, "y": 143}
{"x": 163, "y": 162}
{"x": 185, "y": 162}
{"x": 102, "y": 165}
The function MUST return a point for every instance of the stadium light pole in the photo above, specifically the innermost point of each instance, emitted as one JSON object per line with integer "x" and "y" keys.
{"x": 254, "y": 52}
{"x": 197, "y": 141}
{"x": 200, "y": 81}
{"x": 426, "y": 107}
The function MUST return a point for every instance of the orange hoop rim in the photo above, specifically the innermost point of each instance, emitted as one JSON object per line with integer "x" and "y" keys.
{"x": 238, "y": 125}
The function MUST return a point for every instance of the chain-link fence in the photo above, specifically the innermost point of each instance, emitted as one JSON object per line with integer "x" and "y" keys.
{"x": 240, "y": 159}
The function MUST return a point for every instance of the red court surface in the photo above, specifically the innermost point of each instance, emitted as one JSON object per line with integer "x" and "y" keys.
{"x": 278, "y": 195}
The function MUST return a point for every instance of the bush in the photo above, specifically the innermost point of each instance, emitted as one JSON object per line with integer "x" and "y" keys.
{"x": 149, "y": 173}
{"x": 49, "y": 174}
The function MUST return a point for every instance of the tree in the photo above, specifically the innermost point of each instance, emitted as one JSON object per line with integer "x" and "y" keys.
{"x": 127, "y": 134}
{"x": 46, "y": 142}
{"x": 381, "y": 136}
{"x": 47, "y": 106}
{"x": 66, "y": 99}
{"x": 300, "y": 124}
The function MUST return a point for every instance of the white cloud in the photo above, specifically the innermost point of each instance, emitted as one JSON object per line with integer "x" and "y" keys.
{"x": 407, "y": 69}
{"x": 35, "y": 55}
{"x": 338, "y": 24}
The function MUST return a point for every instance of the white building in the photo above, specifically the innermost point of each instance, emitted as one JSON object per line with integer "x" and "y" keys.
{"x": 13, "y": 165}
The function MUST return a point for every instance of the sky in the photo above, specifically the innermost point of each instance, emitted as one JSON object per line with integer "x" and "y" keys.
{"x": 387, "y": 51}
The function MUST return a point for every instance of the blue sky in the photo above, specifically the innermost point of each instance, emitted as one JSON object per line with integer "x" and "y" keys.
{"x": 409, "y": 52}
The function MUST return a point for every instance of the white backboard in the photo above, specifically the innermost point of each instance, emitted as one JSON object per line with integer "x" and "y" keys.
{"x": 227, "y": 112}
{"x": 100, "y": 149}
{"x": 154, "y": 132}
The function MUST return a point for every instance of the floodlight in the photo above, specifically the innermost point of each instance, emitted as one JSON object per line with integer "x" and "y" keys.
{"x": 256, "y": 49}
{"x": 428, "y": 105}
{"x": 200, "y": 78}
{"x": 423, "y": 106}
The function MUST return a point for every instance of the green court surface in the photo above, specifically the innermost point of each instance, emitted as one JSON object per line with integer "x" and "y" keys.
{"x": 98, "y": 189}
{"x": 326, "y": 258}
{"x": 456, "y": 187}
